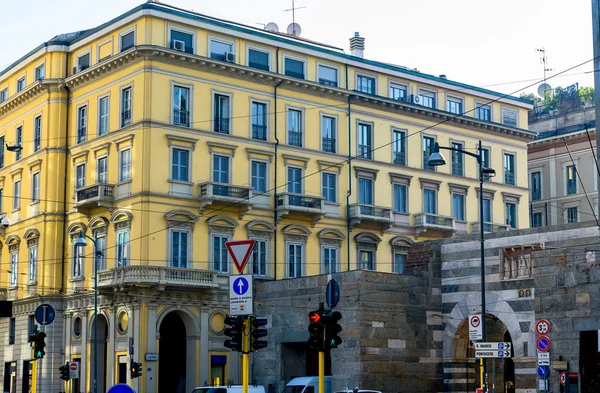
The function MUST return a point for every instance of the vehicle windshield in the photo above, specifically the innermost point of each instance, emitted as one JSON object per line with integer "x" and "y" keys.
{"x": 293, "y": 389}
{"x": 209, "y": 390}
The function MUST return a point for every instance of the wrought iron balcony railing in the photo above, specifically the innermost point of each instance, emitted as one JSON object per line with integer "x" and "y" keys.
{"x": 181, "y": 117}
{"x": 259, "y": 132}
{"x": 295, "y": 138}
{"x": 329, "y": 145}
{"x": 399, "y": 158}
{"x": 125, "y": 118}
{"x": 509, "y": 178}
{"x": 221, "y": 125}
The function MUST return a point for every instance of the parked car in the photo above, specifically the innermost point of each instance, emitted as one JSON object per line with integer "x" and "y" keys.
{"x": 357, "y": 390}
{"x": 306, "y": 385}
{"x": 228, "y": 389}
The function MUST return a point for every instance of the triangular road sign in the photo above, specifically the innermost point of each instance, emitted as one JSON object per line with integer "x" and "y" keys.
{"x": 240, "y": 252}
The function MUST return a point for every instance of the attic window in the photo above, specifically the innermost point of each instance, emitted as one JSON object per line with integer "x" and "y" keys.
{"x": 127, "y": 41}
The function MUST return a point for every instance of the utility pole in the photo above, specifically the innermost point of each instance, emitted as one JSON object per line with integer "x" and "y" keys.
{"x": 596, "y": 43}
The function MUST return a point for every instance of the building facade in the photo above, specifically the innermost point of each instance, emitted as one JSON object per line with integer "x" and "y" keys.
{"x": 164, "y": 133}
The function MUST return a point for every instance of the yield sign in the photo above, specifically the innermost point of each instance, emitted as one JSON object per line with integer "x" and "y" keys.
{"x": 240, "y": 251}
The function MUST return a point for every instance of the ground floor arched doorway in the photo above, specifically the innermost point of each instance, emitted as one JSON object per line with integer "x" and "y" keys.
{"x": 173, "y": 355}
{"x": 101, "y": 356}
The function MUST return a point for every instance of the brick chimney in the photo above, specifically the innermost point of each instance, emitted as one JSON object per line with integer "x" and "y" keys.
{"x": 357, "y": 45}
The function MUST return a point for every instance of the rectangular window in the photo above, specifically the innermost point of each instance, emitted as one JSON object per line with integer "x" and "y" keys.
{"x": 35, "y": 187}
{"x": 179, "y": 248}
{"x": 19, "y": 142}
{"x": 2, "y": 152}
{"x": 428, "y": 144}
{"x": 181, "y": 106}
{"x": 31, "y": 324}
{"x": 20, "y": 84}
{"x": 365, "y": 141}
{"x": 83, "y": 62}
{"x": 458, "y": 207}
{"x": 101, "y": 258}
{"x": 457, "y": 160}
{"x": 400, "y": 197}
{"x": 219, "y": 254}
{"x": 365, "y": 84}
{"x": 1, "y": 199}
{"x": 40, "y": 72}
{"x": 12, "y": 327}
{"x": 102, "y": 170}
{"x": 536, "y": 186}
{"x": 218, "y": 49}
{"x": 509, "y": 117}
{"x": 258, "y": 59}
{"x": 487, "y": 210}
{"x": 429, "y": 201}
{"x": 485, "y": 153}
{"x": 571, "y": 179}
{"x": 127, "y": 41}
{"x": 259, "y": 176}
{"x": 509, "y": 169}
{"x": 483, "y": 112}
{"x": 37, "y": 133}
{"x": 329, "y": 260}
{"x": 14, "y": 266}
{"x": 17, "y": 195}
{"x": 427, "y": 99}
{"x": 511, "y": 215}
{"x": 294, "y": 184}
{"x": 328, "y": 130}
{"x": 295, "y": 128}
{"x": 122, "y": 248}
{"x": 103, "y": 116}
{"x": 536, "y": 220}
{"x": 183, "y": 42}
{"x": 329, "y": 187}
{"x": 126, "y": 107}
{"x": 125, "y": 165}
{"x": 180, "y": 165}
{"x": 33, "y": 264}
{"x": 399, "y": 263}
{"x": 3, "y": 95}
{"x": 294, "y": 68}
{"x": 221, "y": 169}
{"x": 328, "y": 76}
{"x": 398, "y": 92}
{"x": 80, "y": 176}
{"x": 295, "y": 256}
{"x": 365, "y": 191}
{"x": 572, "y": 215}
{"x": 259, "y": 121}
{"x": 454, "y": 105}
{"x": 399, "y": 146}
{"x": 366, "y": 260}
{"x": 221, "y": 120}
{"x": 259, "y": 258}
{"x": 78, "y": 259}
{"x": 82, "y": 124}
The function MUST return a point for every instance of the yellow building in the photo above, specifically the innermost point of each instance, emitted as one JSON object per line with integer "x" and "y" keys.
{"x": 164, "y": 133}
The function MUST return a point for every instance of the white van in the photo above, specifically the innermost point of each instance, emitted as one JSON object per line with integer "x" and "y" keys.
{"x": 307, "y": 385}
{"x": 228, "y": 389}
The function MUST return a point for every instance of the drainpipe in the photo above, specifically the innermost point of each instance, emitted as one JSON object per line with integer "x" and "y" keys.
{"x": 349, "y": 227}
{"x": 64, "y": 235}
{"x": 276, "y": 165}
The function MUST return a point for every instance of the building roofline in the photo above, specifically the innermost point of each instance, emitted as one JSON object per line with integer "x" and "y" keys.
{"x": 308, "y": 44}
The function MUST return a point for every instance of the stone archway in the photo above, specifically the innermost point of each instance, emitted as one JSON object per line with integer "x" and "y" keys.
{"x": 101, "y": 356}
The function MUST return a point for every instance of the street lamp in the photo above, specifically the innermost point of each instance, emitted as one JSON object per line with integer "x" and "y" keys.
{"x": 436, "y": 159}
{"x": 80, "y": 242}
{"x": 14, "y": 148}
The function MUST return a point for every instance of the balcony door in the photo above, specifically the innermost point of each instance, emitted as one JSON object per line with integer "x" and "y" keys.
{"x": 294, "y": 186}
{"x": 220, "y": 175}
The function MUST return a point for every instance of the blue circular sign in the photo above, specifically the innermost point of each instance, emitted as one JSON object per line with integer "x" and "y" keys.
{"x": 240, "y": 286}
{"x": 543, "y": 371}
{"x": 332, "y": 294}
{"x": 121, "y": 388}
{"x": 45, "y": 314}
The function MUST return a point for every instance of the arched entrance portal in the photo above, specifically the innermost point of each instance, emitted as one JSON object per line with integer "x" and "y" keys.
{"x": 177, "y": 351}
{"x": 100, "y": 357}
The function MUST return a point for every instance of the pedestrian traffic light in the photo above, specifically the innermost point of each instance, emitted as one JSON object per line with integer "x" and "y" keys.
{"x": 332, "y": 329}
{"x": 257, "y": 333}
{"x": 315, "y": 328}
{"x": 136, "y": 370}
{"x": 38, "y": 345}
{"x": 235, "y": 332}
{"x": 64, "y": 372}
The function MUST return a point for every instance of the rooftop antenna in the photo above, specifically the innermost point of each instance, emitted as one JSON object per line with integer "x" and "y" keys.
{"x": 294, "y": 24}
{"x": 544, "y": 87}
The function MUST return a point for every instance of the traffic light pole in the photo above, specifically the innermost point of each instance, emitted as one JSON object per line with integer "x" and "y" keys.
{"x": 34, "y": 376}
{"x": 245, "y": 350}
{"x": 321, "y": 372}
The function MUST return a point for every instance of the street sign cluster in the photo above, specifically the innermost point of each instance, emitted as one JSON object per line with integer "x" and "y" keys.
{"x": 542, "y": 328}
{"x": 493, "y": 350}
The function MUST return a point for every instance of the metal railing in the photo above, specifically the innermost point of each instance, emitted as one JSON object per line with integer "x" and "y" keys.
{"x": 426, "y": 165}
{"x": 399, "y": 158}
{"x": 212, "y": 189}
{"x": 295, "y": 138}
{"x": 489, "y": 227}
{"x": 365, "y": 151}
{"x": 536, "y": 195}
{"x": 299, "y": 200}
{"x": 362, "y": 210}
{"x": 221, "y": 125}
{"x": 509, "y": 178}
{"x": 435, "y": 220}
{"x": 259, "y": 132}
{"x": 571, "y": 188}
{"x": 329, "y": 145}
{"x": 181, "y": 117}
{"x": 125, "y": 118}
{"x": 81, "y": 134}
{"x": 99, "y": 191}
{"x": 157, "y": 275}
{"x": 327, "y": 82}
{"x": 457, "y": 168}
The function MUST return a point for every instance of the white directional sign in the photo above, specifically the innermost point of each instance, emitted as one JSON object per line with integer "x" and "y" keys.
{"x": 240, "y": 294}
{"x": 543, "y": 358}
{"x": 492, "y": 354}
{"x": 475, "y": 330}
{"x": 493, "y": 346}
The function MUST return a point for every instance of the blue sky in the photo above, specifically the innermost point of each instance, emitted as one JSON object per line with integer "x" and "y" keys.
{"x": 480, "y": 42}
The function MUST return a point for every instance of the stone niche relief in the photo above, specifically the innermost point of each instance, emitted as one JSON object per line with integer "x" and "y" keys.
{"x": 516, "y": 262}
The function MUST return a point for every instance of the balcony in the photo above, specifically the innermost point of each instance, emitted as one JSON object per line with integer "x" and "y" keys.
{"x": 222, "y": 125}
{"x": 329, "y": 145}
{"x": 489, "y": 227}
{"x": 161, "y": 277}
{"x": 299, "y": 204}
{"x": 457, "y": 168}
{"x": 365, "y": 151}
{"x": 181, "y": 118}
{"x": 259, "y": 132}
{"x": 399, "y": 158}
{"x": 295, "y": 138}
{"x": 371, "y": 216}
{"x": 125, "y": 118}
{"x": 429, "y": 222}
{"x": 536, "y": 195}
{"x": 237, "y": 197}
{"x": 96, "y": 195}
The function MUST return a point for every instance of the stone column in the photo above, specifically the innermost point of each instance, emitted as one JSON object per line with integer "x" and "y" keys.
{"x": 136, "y": 343}
{"x": 83, "y": 375}
{"x": 151, "y": 376}
{"x": 204, "y": 361}
{"x": 110, "y": 348}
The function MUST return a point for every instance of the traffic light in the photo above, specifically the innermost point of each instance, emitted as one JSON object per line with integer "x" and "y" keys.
{"x": 332, "y": 329}
{"x": 315, "y": 329}
{"x": 136, "y": 369}
{"x": 38, "y": 345}
{"x": 64, "y": 372}
{"x": 235, "y": 332}
{"x": 257, "y": 333}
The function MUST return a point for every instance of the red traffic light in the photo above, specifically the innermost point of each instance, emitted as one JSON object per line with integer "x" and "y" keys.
{"x": 314, "y": 317}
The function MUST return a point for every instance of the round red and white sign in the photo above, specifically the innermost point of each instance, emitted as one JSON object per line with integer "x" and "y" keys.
{"x": 542, "y": 327}
{"x": 475, "y": 321}
{"x": 563, "y": 378}
{"x": 74, "y": 366}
